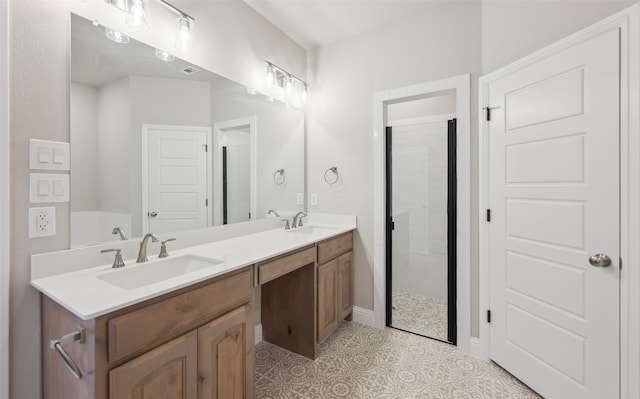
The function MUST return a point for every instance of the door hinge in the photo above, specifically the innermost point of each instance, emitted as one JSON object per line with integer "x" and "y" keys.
{"x": 488, "y": 316}
{"x": 488, "y": 112}
{"x": 249, "y": 215}
{"x": 206, "y": 202}
{"x": 206, "y": 147}
{"x": 488, "y": 215}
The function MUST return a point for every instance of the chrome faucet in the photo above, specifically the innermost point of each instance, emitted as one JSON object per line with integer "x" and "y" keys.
{"x": 297, "y": 219}
{"x": 271, "y": 211}
{"x": 142, "y": 254}
{"x": 118, "y": 230}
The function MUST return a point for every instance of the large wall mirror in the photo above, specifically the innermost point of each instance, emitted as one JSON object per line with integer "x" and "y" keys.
{"x": 161, "y": 145}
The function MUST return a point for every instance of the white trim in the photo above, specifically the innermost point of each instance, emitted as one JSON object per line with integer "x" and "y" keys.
{"x": 219, "y": 128}
{"x": 145, "y": 167}
{"x": 257, "y": 334}
{"x": 475, "y": 347}
{"x": 420, "y": 120}
{"x": 4, "y": 200}
{"x": 363, "y": 316}
{"x": 628, "y": 21}
{"x": 461, "y": 85}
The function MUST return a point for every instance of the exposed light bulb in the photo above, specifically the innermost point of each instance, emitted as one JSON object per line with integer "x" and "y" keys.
{"x": 117, "y": 37}
{"x": 164, "y": 55}
{"x": 270, "y": 75}
{"x": 184, "y": 33}
{"x": 138, "y": 14}
{"x": 288, "y": 85}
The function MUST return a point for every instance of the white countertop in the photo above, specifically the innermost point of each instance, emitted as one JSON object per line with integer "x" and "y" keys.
{"x": 87, "y": 296}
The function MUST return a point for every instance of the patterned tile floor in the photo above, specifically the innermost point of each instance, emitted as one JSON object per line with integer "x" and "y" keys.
{"x": 358, "y": 361}
{"x": 419, "y": 314}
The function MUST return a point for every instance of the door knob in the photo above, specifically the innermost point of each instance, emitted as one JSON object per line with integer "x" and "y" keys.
{"x": 600, "y": 260}
{"x": 153, "y": 214}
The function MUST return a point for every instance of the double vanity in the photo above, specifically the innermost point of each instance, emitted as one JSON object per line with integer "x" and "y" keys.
{"x": 183, "y": 326}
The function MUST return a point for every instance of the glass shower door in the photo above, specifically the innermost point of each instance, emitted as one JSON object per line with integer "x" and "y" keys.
{"x": 419, "y": 174}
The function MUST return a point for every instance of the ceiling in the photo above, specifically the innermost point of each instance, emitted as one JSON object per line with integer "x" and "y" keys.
{"x": 316, "y": 23}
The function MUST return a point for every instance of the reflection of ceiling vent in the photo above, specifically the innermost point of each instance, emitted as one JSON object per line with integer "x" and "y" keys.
{"x": 189, "y": 70}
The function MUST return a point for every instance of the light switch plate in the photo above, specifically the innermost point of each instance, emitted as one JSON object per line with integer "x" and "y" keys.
{"x": 313, "y": 198}
{"x": 48, "y": 155}
{"x": 300, "y": 199}
{"x": 42, "y": 222}
{"x": 48, "y": 187}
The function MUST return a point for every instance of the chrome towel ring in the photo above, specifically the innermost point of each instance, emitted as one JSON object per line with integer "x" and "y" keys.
{"x": 331, "y": 175}
{"x": 278, "y": 177}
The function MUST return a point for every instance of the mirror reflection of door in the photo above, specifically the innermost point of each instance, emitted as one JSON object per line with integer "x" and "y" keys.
{"x": 176, "y": 178}
{"x": 236, "y": 185}
{"x": 421, "y": 235}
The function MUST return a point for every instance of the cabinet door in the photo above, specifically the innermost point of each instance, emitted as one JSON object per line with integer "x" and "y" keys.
{"x": 345, "y": 285}
{"x": 225, "y": 356}
{"x": 327, "y": 298}
{"x": 167, "y": 372}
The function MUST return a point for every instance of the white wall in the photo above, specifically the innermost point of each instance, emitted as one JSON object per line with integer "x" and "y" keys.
{"x": 452, "y": 39}
{"x": 343, "y": 78}
{"x": 4, "y": 201}
{"x": 231, "y": 40}
{"x": 84, "y": 150}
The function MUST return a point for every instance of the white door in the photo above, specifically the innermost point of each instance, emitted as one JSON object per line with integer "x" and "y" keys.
{"x": 177, "y": 179}
{"x": 554, "y": 197}
{"x": 237, "y": 178}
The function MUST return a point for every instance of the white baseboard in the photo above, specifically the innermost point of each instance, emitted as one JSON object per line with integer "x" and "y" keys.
{"x": 258, "y": 334}
{"x": 475, "y": 348}
{"x": 363, "y": 316}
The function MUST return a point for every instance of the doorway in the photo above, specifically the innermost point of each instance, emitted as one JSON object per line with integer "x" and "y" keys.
{"x": 235, "y": 174}
{"x": 421, "y": 222}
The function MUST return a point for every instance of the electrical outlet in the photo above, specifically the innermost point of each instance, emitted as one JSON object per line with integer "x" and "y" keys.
{"x": 300, "y": 199}
{"x": 313, "y": 198}
{"x": 42, "y": 222}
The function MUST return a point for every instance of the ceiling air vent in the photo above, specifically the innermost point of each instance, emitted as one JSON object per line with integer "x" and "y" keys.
{"x": 189, "y": 70}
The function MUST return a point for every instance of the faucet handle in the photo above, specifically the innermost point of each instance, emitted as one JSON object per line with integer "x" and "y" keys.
{"x": 286, "y": 224}
{"x": 163, "y": 248}
{"x": 117, "y": 262}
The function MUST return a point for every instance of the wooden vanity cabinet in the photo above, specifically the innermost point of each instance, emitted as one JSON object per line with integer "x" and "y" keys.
{"x": 195, "y": 343}
{"x": 335, "y": 283}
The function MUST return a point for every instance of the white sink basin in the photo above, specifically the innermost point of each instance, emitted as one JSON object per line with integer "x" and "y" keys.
{"x": 312, "y": 230}
{"x": 136, "y": 276}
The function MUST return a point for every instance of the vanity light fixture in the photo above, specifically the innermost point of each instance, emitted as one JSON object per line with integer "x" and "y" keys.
{"x": 281, "y": 78}
{"x": 164, "y": 55}
{"x": 138, "y": 16}
{"x": 117, "y": 37}
{"x": 184, "y": 33}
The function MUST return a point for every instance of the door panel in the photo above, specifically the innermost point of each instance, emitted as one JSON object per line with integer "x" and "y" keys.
{"x": 177, "y": 179}
{"x": 554, "y": 195}
{"x": 169, "y": 371}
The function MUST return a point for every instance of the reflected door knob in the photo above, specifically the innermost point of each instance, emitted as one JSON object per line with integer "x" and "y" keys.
{"x": 600, "y": 260}
{"x": 153, "y": 214}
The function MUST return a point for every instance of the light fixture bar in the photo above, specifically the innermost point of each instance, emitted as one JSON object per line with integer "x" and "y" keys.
{"x": 283, "y": 72}
{"x": 176, "y": 10}
{"x": 122, "y": 5}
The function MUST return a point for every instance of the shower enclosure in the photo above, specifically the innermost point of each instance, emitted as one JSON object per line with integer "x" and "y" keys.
{"x": 421, "y": 227}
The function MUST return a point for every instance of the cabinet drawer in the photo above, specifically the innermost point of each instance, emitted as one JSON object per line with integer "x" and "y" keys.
{"x": 152, "y": 325}
{"x": 330, "y": 249}
{"x": 271, "y": 270}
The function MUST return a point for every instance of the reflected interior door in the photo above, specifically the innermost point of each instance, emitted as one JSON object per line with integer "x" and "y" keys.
{"x": 554, "y": 197}
{"x": 177, "y": 179}
{"x": 236, "y": 178}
